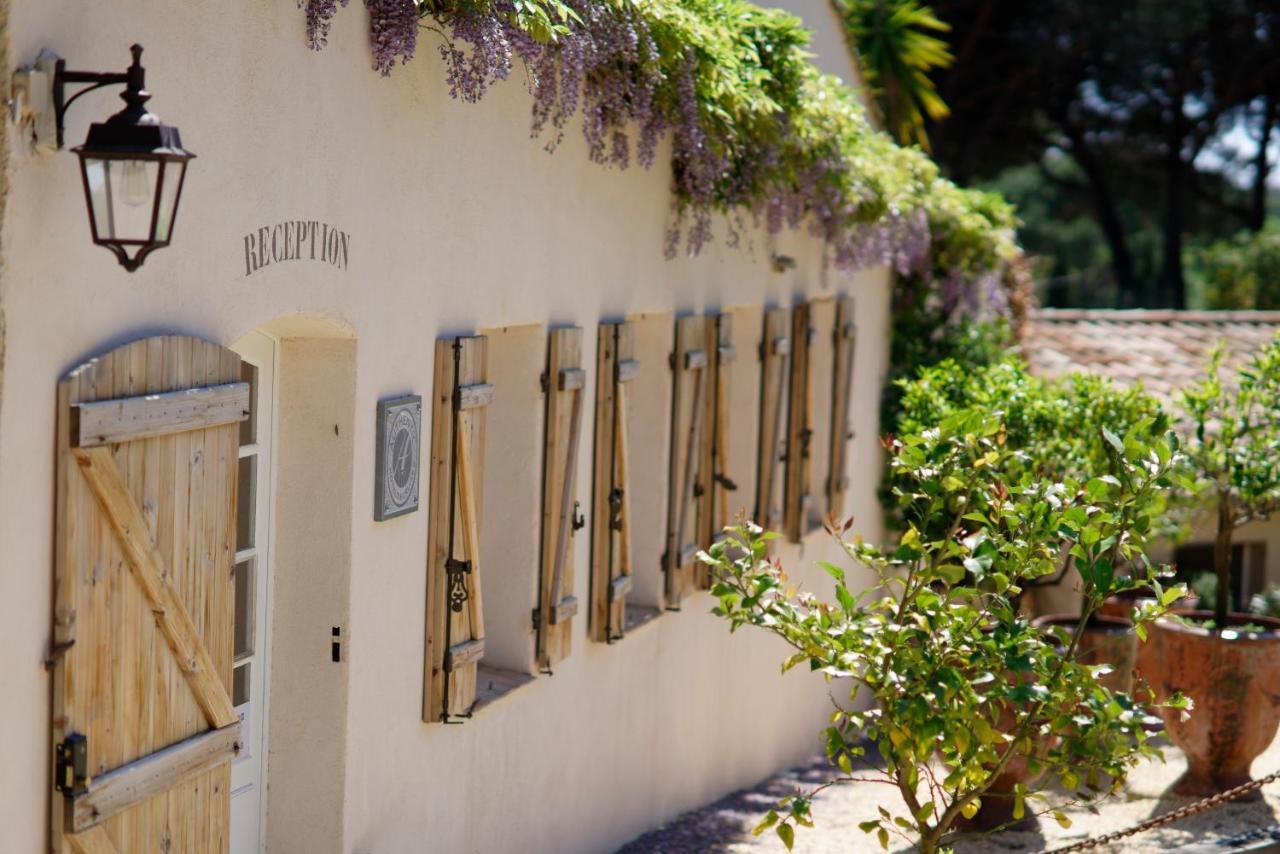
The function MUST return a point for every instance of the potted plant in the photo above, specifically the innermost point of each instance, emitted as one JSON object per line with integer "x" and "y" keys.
{"x": 972, "y": 708}
{"x": 1228, "y": 663}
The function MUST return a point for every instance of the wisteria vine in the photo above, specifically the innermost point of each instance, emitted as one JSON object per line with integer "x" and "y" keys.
{"x": 755, "y": 129}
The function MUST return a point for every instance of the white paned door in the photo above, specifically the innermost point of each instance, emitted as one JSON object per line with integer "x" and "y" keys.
{"x": 252, "y": 574}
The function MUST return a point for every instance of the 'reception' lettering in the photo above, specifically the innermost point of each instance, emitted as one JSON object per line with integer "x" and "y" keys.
{"x": 296, "y": 240}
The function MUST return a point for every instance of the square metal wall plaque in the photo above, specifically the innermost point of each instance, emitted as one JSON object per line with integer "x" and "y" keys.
{"x": 399, "y": 457}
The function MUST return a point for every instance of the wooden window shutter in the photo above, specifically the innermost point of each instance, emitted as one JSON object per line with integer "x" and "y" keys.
{"x": 714, "y": 482}
{"x": 143, "y": 724}
{"x": 616, "y": 366}
{"x": 775, "y": 351}
{"x": 841, "y": 393}
{"x": 799, "y": 426}
{"x": 689, "y": 365}
{"x": 566, "y": 383}
{"x": 455, "y": 611}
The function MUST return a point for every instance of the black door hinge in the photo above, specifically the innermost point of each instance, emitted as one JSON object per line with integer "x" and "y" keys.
{"x": 72, "y": 765}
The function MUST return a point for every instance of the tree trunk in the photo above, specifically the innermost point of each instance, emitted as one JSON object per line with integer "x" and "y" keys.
{"x": 1106, "y": 211}
{"x": 1261, "y": 166}
{"x": 1173, "y": 289}
{"x": 1222, "y": 561}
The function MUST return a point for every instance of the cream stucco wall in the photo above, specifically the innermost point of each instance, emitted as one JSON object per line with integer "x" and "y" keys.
{"x": 458, "y": 222}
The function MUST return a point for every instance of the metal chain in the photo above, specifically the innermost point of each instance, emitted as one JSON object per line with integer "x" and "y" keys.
{"x": 1170, "y": 817}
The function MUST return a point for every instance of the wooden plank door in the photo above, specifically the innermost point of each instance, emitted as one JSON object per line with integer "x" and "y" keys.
{"x": 143, "y": 723}
{"x": 775, "y": 351}
{"x": 841, "y": 393}
{"x": 689, "y": 363}
{"x": 616, "y": 366}
{"x": 455, "y": 611}
{"x": 566, "y": 383}
{"x": 714, "y": 482}
{"x": 796, "y": 495}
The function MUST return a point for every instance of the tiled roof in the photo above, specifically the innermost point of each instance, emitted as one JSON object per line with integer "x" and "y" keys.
{"x": 1164, "y": 350}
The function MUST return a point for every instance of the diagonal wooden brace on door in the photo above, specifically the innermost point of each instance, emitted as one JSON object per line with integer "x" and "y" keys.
{"x": 130, "y": 527}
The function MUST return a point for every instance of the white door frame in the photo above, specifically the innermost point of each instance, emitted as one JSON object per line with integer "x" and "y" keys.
{"x": 262, "y": 351}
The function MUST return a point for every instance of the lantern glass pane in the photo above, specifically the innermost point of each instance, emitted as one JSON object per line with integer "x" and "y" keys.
{"x": 122, "y": 193}
{"x": 171, "y": 183}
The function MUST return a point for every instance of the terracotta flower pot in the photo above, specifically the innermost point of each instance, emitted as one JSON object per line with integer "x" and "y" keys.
{"x": 1106, "y": 640}
{"x": 1235, "y": 684}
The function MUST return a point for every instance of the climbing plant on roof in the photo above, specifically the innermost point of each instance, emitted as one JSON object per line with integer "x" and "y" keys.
{"x": 758, "y": 134}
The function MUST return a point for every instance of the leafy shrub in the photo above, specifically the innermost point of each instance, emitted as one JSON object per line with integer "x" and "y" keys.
{"x": 1241, "y": 272}
{"x": 1055, "y": 426}
{"x": 960, "y": 685}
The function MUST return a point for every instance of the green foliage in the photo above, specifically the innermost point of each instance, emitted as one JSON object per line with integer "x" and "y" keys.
{"x": 758, "y": 131}
{"x": 1234, "y": 452}
{"x": 1241, "y": 272}
{"x": 960, "y": 685}
{"x": 896, "y": 52}
{"x": 1055, "y": 425}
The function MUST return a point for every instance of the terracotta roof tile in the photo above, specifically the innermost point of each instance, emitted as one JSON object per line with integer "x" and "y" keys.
{"x": 1164, "y": 350}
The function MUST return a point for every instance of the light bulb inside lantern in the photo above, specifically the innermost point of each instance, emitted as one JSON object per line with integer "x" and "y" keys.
{"x": 136, "y": 189}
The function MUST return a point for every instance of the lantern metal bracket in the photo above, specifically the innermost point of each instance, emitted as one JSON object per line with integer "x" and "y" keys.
{"x": 133, "y": 79}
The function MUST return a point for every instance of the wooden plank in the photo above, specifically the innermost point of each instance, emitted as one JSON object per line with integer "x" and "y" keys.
{"x": 773, "y": 382}
{"x": 467, "y": 652}
{"x": 130, "y": 419}
{"x": 572, "y": 378}
{"x": 799, "y": 426}
{"x": 130, "y": 784}
{"x": 474, "y": 396}
{"x": 100, "y": 471}
{"x": 688, "y": 387}
{"x": 561, "y": 442}
{"x": 92, "y": 841}
{"x": 470, "y": 522}
{"x": 622, "y": 459}
{"x": 564, "y": 610}
{"x": 695, "y": 359}
{"x": 619, "y": 588}
{"x": 569, "y": 473}
{"x": 602, "y": 539}
{"x": 841, "y": 396}
{"x": 440, "y": 515}
{"x": 713, "y": 449}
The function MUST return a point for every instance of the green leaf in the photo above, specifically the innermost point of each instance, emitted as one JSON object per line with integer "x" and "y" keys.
{"x": 787, "y": 834}
{"x": 831, "y": 569}
{"x": 1061, "y": 818}
{"x": 883, "y": 836}
{"x": 846, "y": 599}
{"x": 769, "y": 820}
{"x": 1113, "y": 440}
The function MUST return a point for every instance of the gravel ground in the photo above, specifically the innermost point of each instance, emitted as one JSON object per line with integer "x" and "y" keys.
{"x": 725, "y": 826}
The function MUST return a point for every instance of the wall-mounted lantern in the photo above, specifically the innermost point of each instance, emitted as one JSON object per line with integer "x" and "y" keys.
{"x": 132, "y": 165}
